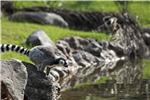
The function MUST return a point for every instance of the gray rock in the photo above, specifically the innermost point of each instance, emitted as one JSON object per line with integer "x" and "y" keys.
{"x": 7, "y": 7}
{"x": 73, "y": 42}
{"x": 88, "y": 45}
{"x": 13, "y": 79}
{"x": 39, "y": 87}
{"x": 87, "y": 21}
{"x": 64, "y": 47}
{"x": 17, "y": 85}
{"x": 39, "y": 37}
{"x": 146, "y": 36}
{"x": 40, "y": 18}
{"x": 84, "y": 58}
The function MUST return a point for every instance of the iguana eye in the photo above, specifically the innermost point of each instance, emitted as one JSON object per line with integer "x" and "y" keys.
{"x": 62, "y": 62}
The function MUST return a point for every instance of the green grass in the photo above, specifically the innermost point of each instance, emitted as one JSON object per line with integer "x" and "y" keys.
{"x": 89, "y": 84}
{"x": 17, "y": 33}
{"x": 23, "y": 4}
{"x": 20, "y": 31}
{"x": 136, "y": 8}
{"x": 71, "y": 5}
{"x": 141, "y": 10}
{"x": 146, "y": 72}
{"x": 90, "y": 6}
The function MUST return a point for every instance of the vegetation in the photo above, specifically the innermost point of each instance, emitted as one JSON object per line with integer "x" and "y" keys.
{"x": 141, "y": 9}
{"x": 146, "y": 72}
{"x": 71, "y": 5}
{"x": 16, "y": 33}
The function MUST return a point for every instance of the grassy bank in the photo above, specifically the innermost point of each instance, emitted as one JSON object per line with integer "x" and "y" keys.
{"x": 146, "y": 71}
{"x": 140, "y": 9}
{"x": 16, "y": 33}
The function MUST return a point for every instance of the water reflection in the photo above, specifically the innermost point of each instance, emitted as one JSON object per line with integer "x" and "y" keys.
{"x": 120, "y": 58}
{"x": 126, "y": 84}
{"x": 105, "y": 92}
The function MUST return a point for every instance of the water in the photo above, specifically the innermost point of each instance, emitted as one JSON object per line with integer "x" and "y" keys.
{"x": 83, "y": 95}
{"x": 105, "y": 91}
{"x": 126, "y": 85}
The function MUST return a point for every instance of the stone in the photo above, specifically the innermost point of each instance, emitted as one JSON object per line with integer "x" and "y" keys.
{"x": 39, "y": 87}
{"x": 87, "y": 21}
{"x": 7, "y": 7}
{"x": 22, "y": 81}
{"x": 88, "y": 45}
{"x": 73, "y": 42}
{"x": 118, "y": 58}
{"x": 64, "y": 47}
{"x": 13, "y": 79}
{"x": 39, "y": 37}
{"x": 146, "y": 36}
{"x": 40, "y": 18}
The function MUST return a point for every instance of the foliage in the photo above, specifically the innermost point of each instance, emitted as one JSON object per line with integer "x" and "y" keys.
{"x": 140, "y": 9}
{"x": 16, "y": 33}
{"x": 146, "y": 72}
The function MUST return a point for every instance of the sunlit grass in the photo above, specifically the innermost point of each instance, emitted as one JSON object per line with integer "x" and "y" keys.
{"x": 20, "y": 31}
{"x": 141, "y": 9}
{"x": 17, "y": 33}
{"x": 71, "y": 5}
{"x": 146, "y": 72}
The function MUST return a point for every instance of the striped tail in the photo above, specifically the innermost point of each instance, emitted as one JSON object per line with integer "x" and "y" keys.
{"x": 16, "y": 48}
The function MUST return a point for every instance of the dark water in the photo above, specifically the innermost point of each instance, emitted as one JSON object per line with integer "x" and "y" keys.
{"x": 127, "y": 85}
{"x": 106, "y": 91}
{"x": 83, "y": 95}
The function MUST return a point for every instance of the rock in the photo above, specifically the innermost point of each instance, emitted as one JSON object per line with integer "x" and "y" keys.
{"x": 39, "y": 87}
{"x": 88, "y": 45}
{"x": 17, "y": 85}
{"x": 146, "y": 30}
{"x": 7, "y": 7}
{"x": 93, "y": 60}
{"x": 64, "y": 47}
{"x": 93, "y": 47}
{"x": 73, "y": 42}
{"x": 87, "y": 21}
{"x": 146, "y": 36}
{"x": 85, "y": 62}
{"x": 84, "y": 57}
{"x": 118, "y": 49}
{"x": 39, "y": 37}
{"x": 40, "y": 18}
{"x": 13, "y": 79}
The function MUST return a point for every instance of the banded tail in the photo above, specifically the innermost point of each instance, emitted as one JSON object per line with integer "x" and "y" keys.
{"x": 16, "y": 48}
